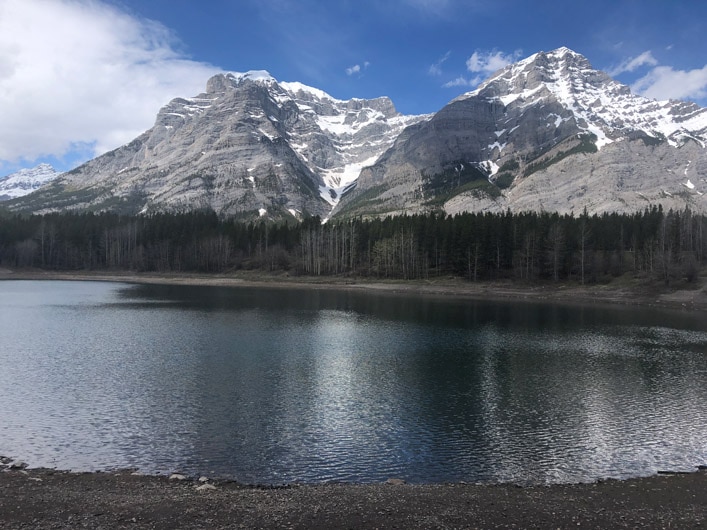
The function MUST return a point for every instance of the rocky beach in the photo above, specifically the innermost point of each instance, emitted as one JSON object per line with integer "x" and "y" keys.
{"x": 46, "y": 498}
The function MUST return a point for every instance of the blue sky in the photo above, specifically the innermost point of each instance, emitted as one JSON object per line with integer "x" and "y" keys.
{"x": 80, "y": 77}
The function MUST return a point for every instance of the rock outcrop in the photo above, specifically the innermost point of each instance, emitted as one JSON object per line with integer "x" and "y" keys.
{"x": 249, "y": 146}
{"x": 548, "y": 133}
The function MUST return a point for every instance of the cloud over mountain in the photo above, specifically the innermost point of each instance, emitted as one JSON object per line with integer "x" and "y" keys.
{"x": 665, "y": 82}
{"x": 83, "y": 75}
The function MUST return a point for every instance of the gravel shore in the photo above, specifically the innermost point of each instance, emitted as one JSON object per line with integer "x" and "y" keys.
{"x": 626, "y": 292}
{"x": 43, "y": 498}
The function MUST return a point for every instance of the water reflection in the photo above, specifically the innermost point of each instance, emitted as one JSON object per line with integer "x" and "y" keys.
{"x": 302, "y": 385}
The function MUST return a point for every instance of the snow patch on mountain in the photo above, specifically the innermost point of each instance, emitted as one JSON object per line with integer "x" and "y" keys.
{"x": 358, "y": 131}
{"x": 550, "y": 133}
{"x": 26, "y": 181}
{"x": 248, "y": 145}
{"x": 598, "y": 104}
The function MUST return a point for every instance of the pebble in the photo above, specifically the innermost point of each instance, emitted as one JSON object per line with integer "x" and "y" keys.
{"x": 205, "y": 487}
{"x": 203, "y": 479}
{"x": 177, "y": 476}
{"x": 395, "y": 481}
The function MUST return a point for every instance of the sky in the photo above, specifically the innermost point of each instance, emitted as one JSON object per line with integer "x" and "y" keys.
{"x": 81, "y": 77}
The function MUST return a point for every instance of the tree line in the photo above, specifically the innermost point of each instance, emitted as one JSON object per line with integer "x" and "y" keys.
{"x": 477, "y": 246}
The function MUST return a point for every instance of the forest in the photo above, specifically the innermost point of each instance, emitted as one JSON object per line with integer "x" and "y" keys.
{"x": 666, "y": 246}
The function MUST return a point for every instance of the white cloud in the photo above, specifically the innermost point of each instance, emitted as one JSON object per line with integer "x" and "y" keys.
{"x": 357, "y": 68}
{"x": 436, "y": 68}
{"x": 483, "y": 63}
{"x": 78, "y": 73}
{"x": 488, "y": 62}
{"x": 663, "y": 82}
{"x": 630, "y": 65}
{"x": 462, "y": 81}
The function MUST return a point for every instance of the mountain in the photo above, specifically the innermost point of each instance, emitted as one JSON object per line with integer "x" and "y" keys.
{"x": 548, "y": 133}
{"x": 26, "y": 181}
{"x": 249, "y": 146}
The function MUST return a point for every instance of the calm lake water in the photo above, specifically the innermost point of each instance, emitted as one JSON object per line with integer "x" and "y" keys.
{"x": 303, "y": 385}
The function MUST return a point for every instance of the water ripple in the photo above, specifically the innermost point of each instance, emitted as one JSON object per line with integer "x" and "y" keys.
{"x": 272, "y": 386}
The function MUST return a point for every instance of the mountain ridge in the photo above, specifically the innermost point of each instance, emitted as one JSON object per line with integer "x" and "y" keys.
{"x": 25, "y": 181}
{"x": 547, "y": 133}
{"x": 247, "y": 146}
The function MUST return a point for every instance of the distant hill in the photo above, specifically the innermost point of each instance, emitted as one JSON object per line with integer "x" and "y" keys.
{"x": 26, "y": 181}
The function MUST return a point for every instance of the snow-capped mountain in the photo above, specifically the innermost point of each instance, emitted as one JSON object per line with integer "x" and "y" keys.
{"x": 248, "y": 146}
{"x": 26, "y": 181}
{"x": 598, "y": 104}
{"x": 547, "y": 133}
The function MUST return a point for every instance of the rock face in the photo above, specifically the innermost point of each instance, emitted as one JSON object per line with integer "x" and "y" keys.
{"x": 249, "y": 146}
{"x": 547, "y": 133}
{"x": 26, "y": 181}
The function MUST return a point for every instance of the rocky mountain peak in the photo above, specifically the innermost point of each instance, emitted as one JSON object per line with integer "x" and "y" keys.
{"x": 562, "y": 73}
{"x": 598, "y": 104}
{"x": 224, "y": 81}
{"x": 26, "y": 181}
{"x": 548, "y": 132}
{"x": 558, "y": 66}
{"x": 249, "y": 145}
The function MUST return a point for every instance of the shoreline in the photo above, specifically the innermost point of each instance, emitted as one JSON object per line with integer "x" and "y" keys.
{"x": 692, "y": 297}
{"x": 50, "y": 498}
{"x": 31, "y": 498}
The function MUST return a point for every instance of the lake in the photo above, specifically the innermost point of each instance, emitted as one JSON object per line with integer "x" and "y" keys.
{"x": 283, "y": 385}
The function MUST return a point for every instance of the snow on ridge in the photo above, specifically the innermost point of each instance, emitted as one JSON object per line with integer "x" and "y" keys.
{"x": 253, "y": 75}
{"x": 497, "y": 145}
{"x": 338, "y": 180}
{"x": 25, "y": 181}
{"x": 490, "y": 166}
{"x": 294, "y": 87}
{"x": 353, "y": 148}
{"x": 608, "y": 108}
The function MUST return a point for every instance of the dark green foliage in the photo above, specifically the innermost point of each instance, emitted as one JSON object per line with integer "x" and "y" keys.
{"x": 527, "y": 246}
{"x": 456, "y": 175}
{"x": 511, "y": 165}
{"x": 479, "y": 188}
{"x": 367, "y": 198}
{"x": 504, "y": 180}
{"x": 587, "y": 144}
{"x": 456, "y": 179}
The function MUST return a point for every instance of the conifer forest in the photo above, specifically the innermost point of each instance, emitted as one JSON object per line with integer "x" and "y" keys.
{"x": 530, "y": 247}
